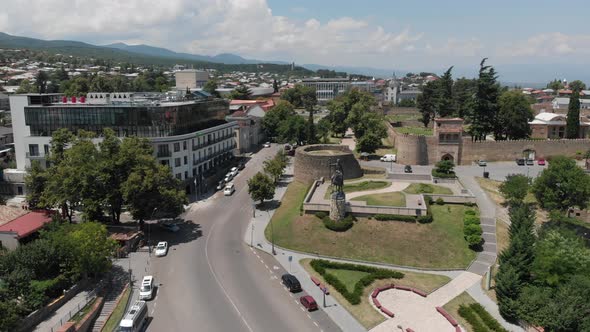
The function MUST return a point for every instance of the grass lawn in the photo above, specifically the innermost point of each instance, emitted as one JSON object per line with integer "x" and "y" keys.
{"x": 78, "y": 316}
{"x": 364, "y": 312}
{"x": 395, "y": 198}
{"x": 348, "y": 277}
{"x": 426, "y": 188}
{"x": 439, "y": 244}
{"x": 414, "y": 130}
{"x": 402, "y": 117}
{"x": 371, "y": 176}
{"x": 360, "y": 186}
{"x": 453, "y": 308}
{"x": 118, "y": 313}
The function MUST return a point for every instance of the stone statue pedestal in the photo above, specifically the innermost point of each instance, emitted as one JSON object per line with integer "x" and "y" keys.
{"x": 337, "y": 206}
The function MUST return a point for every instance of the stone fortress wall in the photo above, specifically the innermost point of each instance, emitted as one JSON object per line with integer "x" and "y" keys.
{"x": 313, "y": 162}
{"x": 425, "y": 150}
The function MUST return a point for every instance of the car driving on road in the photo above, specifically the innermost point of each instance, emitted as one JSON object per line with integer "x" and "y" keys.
{"x": 234, "y": 171}
{"x": 291, "y": 282}
{"x": 482, "y": 163}
{"x": 161, "y": 248}
{"x": 229, "y": 189}
{"x": 388, "y": 158}
{"x": 308, "y": 302}
{"x": 146, "y": 290}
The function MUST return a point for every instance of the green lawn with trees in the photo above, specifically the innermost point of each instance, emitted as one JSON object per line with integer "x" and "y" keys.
{"x": 427, "y": 188}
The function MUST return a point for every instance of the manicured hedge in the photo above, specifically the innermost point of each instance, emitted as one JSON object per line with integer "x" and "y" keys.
{"x": 470, "y": 213}
{"x": 321, "y": 214}
{"x": 479, "y": 319}
{"x": 339, "y": 226}
{"x": 440, "y": 201}
{"x": 471, "y": 220}
{"x": 354, "y": 297}
{"x": 443, "y": 175}
{"x": 387, "y": 217}
{"x": 472, "y": 229}
{"x": 427, "y": 219}
{"x": 471, "y": 317}
{"x": 485, "y": 316}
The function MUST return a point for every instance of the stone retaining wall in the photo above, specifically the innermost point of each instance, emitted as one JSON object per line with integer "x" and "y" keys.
{"x": 310, "y": 167}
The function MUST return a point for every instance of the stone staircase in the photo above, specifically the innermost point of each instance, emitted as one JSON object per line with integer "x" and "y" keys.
{"x": 487, "y": 257}
{"x": 119, "y": 280}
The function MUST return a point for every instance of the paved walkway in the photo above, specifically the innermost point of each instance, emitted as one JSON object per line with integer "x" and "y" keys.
{"x": 349, "y": 140}
{"x": 63, "y": 314}
{"x": 419, "y": 313}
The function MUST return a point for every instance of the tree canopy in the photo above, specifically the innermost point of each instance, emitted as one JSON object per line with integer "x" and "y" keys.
{"x": 572, "y": 128}
{"x": 514, "y": 115}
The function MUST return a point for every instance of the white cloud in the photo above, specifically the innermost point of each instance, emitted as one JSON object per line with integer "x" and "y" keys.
{"x": 548, "y": 45}
{"x": 455, "y": 47}
{"x": 246, "y": 27}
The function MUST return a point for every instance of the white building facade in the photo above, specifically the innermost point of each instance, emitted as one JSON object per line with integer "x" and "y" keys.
{"x": 191, "y": 79}
{"x": 327, "y": 88}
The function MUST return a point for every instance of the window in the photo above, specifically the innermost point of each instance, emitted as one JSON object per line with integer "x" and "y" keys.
{"x": 179, "y": 176}
{"x": 194, "y": 172}
{"x": 185, "y": 160}
{"x": 164, "y": 162}
{"x": 46, "y": 149}
{"x": 33, "y": 150}
{"x": 176, "y": 147}
{"x": 184, "y": 145}
{"x": 176, "y": 162}
{"x": 185, "y": 175}
{"x": 163, "y": 150}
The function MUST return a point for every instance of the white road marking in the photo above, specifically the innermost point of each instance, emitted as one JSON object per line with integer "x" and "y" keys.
{"x": 295, "y": 302}
{"x": 316, "y": 324}
{"x": 308, "y": 316}
{"x": 302, "y": 309}
{"x": 219, "y": 282}
{"x": 291, "y": 295}
{"x": 152, "y": 311}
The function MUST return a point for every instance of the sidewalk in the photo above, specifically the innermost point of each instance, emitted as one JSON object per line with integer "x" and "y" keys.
{"x": 63, "y": 314}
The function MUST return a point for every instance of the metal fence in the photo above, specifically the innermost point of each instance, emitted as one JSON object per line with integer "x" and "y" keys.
{"x": 65, "y": 318}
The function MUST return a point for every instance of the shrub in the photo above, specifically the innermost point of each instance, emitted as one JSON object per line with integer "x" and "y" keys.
{"x": 471, "y": 318}
{"x": 471, "y": 220}
{"x": 439, "y": 201}
{"x": 470, "y": 204}
{"x": 443, "y": 175}
{"x": 473, "y": 240}
{"x": 470, "y": 212}
{"x": 427, "y": 219}
{"x": 339, "y": 226}
{"x": 387, "y": 217}
{"x": 321, "y": 214}
{"x": 487, "y": 319}
{"x": 428, "y": 200}
{"x": 473, "y": 229}
{"x": 353, "y": 297}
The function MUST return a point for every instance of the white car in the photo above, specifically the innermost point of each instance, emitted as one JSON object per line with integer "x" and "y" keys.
{"x": 234, "y": 171}
{"x": 229, "y": 189}
{"x": 161, "y": 249}
{"x": 267, "y": 145}
{"x": 389, "y": 158}
{"x": 146, "y": 290}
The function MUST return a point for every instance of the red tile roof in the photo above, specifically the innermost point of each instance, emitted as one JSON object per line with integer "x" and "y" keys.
{"x": 27, "y": 224}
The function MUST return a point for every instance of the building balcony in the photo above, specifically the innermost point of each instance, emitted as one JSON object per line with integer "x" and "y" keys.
{"x": 35, "y": 155}
{"x": 164, "y": 154}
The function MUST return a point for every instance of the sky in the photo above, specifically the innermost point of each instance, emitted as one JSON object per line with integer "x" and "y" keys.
{"x": 390, "y": 34}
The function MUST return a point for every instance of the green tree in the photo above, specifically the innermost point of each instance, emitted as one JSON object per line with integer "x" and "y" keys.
{"x": 41, "y": 81}
{"x": 211, "y": 88}
{"x": 463, "y": 93}
{"x": 261, "y": 187}
{"x": 26, "y": 87}
{"x": 445, "y": 167}
{"x": 426, "y": 102}
{"x": 555, "y": 85}
{"x": 35, "y": 181}
{"x": 275, "y": 86}
{"x": 514, "y": 115}
{"x": 577, "y": 85}
{"x": 100, "y": 83}
{"x": 151, "y": 187}
{"x": 275, "y": 117}
{"x": 445, "y": 101}
{"x": 241, "y": 92}
{"x": 407, "y": 103}
{"x": 562, "y": 185}
{"x": 310, "y": 131}
{"x": 337, "y": 117}
{"x": 515, "y": 188}
{"x": 485, "y": 112}
{"x": 368, "y": 143}
{"x": 572, "y": 128}
{"x": 323, "y": 130}
{"x": 293, "y": 129}
{"x": 275, "y": 168}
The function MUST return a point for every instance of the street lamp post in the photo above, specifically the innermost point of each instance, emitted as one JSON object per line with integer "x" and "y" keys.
{"x": 272, "y": 234}
{"x": 252, "y": 235}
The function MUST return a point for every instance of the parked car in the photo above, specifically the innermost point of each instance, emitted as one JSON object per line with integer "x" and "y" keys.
{"x": 530, "y": 162}
{"x": 241, "y": 166}
{"x": 267, "y": 145}
{"x": 220, "y": 185}
{"x": 308, "y": 302}
{"x": 541, "y": 162}
{"x": 291, "y": 282}
{"x": 161, "y": 248}
{"x": 408, "y": 169}
{"x": 234, "y": 171}
{"x": 388, "y": 158}
{"x": 520, "y": 162}
{"x": 170, "y": 226}
{"x": 229, "y": 189}
{"x": 146, "y": 290}
{"x": 482, "y": 163}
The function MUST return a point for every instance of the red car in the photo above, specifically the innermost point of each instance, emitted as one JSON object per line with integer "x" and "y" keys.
{"x": 541, "y": 162}
{"x": 308, "y": 302}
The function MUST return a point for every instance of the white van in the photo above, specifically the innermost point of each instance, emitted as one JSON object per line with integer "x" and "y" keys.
{"x": 135, "y": 317}
{"x": 146, "y": 291}
{"x": 389, "y": 158}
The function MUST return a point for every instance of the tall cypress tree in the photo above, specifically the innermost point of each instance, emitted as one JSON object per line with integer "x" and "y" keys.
{"x": 572, "y": 128}
{"x": 485, "y": 113}
{"x": 445, "y": 97}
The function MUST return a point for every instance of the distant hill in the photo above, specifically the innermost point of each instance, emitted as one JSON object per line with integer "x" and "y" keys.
{"x": 146, "y": 55}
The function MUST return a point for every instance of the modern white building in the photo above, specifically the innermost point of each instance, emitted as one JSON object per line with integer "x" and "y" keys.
{"x": 190, "y": 136}
{"x": 190, "y": 79}
{"x": 327, "y": 88}
{"x": 562, "y": 103}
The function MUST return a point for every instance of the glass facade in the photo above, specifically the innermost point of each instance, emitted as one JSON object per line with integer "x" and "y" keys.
{"x": 127, "y": 120}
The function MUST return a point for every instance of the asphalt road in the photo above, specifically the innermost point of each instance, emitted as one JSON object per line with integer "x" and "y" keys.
{"x": 212, "y": 281}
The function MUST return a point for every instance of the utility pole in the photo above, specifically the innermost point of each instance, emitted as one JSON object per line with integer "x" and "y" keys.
{"x": 252, "y": 235}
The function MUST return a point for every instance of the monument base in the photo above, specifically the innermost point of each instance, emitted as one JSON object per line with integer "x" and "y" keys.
{"x": 337, "y": 206}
